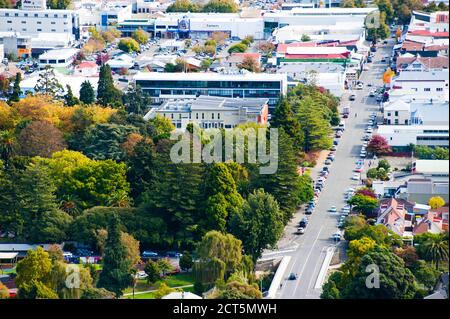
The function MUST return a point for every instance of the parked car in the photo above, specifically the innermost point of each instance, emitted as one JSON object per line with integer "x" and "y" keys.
{"x": 355, "y": 176}
{"x": 174, "y": 254}
{"x": 328, "y": 161}
{"x": 300, "y": 230}
{"x": 336, "y": 236}
{"x": 149, "y": 254}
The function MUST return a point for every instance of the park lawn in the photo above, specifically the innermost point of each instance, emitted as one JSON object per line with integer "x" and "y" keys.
{"x": 151, "y": 295}
{"x": 180, "y": 279}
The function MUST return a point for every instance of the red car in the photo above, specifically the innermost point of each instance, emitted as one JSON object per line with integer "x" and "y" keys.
{"x": 359, "y": 169}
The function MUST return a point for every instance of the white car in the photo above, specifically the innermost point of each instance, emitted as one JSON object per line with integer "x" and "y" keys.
{"x": 355, "y": 176}
{"x": 369, "y": 130}
{"x": 301, "y": 230}
{"x": 333, "y": 209}
{"x": 141, "y": 275}
{"x": 364, "y": 144}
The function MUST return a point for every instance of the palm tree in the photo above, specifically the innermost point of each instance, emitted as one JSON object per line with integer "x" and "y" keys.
{"x": 436, "y": 249}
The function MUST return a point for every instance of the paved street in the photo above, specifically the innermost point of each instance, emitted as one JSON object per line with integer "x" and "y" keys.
{"x": 308, "y": 250}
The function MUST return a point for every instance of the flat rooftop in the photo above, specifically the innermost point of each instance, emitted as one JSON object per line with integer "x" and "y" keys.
{"x": 208, "y": 76}
{"x": 58, "y": 54}
{"x": 212, "y": 103}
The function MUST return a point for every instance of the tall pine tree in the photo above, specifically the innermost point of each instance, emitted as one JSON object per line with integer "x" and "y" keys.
{"x": 107, "y": 94}
{"x": 69, "y": 98}
{"x": 284, "y": 117}
{"x": 87, "y": 94}
{"x": 115, "y": 275}
{"x": 16, "y": 92}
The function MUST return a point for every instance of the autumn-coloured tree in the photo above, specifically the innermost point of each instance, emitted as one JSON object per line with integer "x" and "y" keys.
{"x": 40, "y": 138}
{"x": 378, "y": 145}
{"x": 219, "y": 37}
{"x": 436, "y": 202}
{"x": 388, "y": 75}
{"x": 131, "y": 142}
{"x": 266, "y": 47}
{"x": 366, "y": 191}
{"x": 249, "y": 63}
{"x": 398, "y": 33}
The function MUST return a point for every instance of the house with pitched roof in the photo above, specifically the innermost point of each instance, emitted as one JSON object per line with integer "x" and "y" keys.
{"x": 397, "y": 215}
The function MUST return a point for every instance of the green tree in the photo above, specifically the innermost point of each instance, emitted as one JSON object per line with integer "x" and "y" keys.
{"x": 16, "y": 92}
{"x": 48, "y": 83}
{"x": 223, "y": 199}
{"x": 32, "y": 271}
{"x": 115, "y": 275}
{"x": 305, "y": 38}
{"x": 239, "y": 47}
{"x": 87, "y": 94}
{"x": 436, "y": 249}
{"x": 239, "y": 290}
{"x": 386, "y": 7}
{"x": 107, "y": 94}
{"x": 222, "y": 6}
{"x": 140, "y": 36}
{"x": 153, "y": 272}
{"x": 384, "y": 164}
{"x": 128, "y": 45}
{"x": 135, "y": 101}
{"x": 284, "y": 184}
{"x": 260, "y": 212}
{"x": 183, "y": 6}
{"x": 396, "y": 281}
{"x": 69, "y": 98}
{"x": 316, "y": 130}
{"x": 364, "y": 204}
{"x": 217, "y": 250}
{"x": 425, "y": 275}
{"x": 186, "y": 261}
{"x": 58, "y": 4}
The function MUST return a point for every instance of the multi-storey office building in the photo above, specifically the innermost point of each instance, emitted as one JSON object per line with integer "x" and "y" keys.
{"x": 163, "y": 86}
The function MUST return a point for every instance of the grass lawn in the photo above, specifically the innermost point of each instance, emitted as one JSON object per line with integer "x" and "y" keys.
{"x": 181, "y": 279}
{"x": 151, "y": 295}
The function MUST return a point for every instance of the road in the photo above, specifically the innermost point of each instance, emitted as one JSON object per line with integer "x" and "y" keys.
{"x": 308, "y": 250}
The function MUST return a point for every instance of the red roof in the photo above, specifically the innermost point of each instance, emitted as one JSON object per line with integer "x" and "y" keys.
{"x": 428, "y": 33}
{"x": 317, "y": 56}
{"x": 86, "y": 64}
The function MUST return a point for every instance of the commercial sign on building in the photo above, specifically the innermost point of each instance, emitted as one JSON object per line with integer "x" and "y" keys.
{"x": 34, "y": 4}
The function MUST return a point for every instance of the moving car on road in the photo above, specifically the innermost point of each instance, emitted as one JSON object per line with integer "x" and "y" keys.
{"x": 333, "y": 209}
{"x": 352, "y": 97}
{"x": 292, "y": 276}
{"x": 355, "y": 176}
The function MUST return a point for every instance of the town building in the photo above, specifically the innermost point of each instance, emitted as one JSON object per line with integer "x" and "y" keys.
{"x": 427, "y": 112}
{"x": 212, "y": 112}
{"x": 417, "y": 63}
{"x": 163, "y": 86}
{"x": 58, "y": 58}
{"x": 404, "y": 135}
{"x": 425, "y": 81}
{"x": 86, "y": 68}
{"x": 47, "y": 28}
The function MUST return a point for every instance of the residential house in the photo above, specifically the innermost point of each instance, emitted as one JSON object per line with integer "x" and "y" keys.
{"x": 86, "y": 68}
{"x": 417, "y": 63}
{"x": 397, "y": 216}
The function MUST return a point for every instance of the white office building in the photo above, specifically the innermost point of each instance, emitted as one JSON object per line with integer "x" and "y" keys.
{"x": 427, "y": 82}
{"x": 47, "y": 28}
{"x": 404, "y": 135}
{"x": 58, "y": 58}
